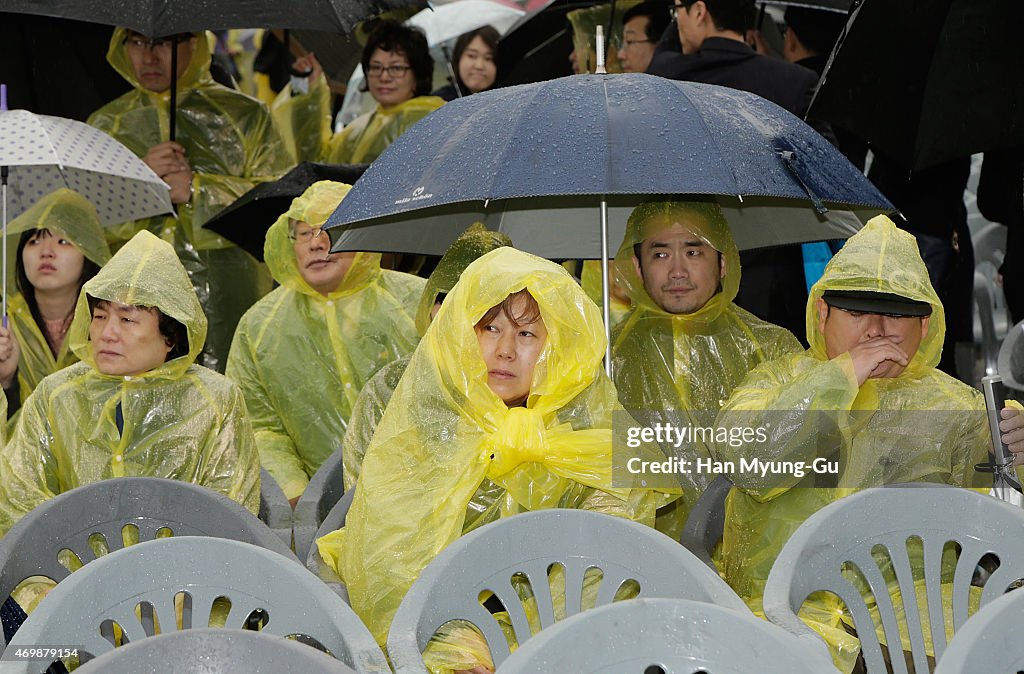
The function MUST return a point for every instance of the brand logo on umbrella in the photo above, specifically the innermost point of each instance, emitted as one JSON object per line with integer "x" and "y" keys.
{"x": 417, "y": 195}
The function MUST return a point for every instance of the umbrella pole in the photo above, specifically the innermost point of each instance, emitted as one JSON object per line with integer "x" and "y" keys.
{"x": 173, "y": 106}
{"x": 451, "y": 70}
{"x": 606, "y": 289}
{"x": 3, "y": 188}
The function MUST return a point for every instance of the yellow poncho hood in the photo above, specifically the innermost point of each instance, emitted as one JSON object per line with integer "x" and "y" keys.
{"x": 145, "y": 272}
{"x": 197, "y": 72}
{"x": 68, "y": 215}
{"x": 313, "y": 207}
{"x": 651, "y": 218}
{"x": 882, "y": 258}
{"x": 445, "y": 432}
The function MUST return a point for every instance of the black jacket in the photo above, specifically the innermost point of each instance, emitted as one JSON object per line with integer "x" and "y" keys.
{"x": 731, "y": 63}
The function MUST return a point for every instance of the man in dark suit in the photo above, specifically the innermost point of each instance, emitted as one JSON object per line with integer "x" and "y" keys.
{"x": 714, "y": 52}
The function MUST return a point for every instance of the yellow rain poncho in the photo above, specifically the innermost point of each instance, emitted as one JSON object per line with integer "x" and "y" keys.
{"x": 449, "y": 456}
{"x": 686, "y": 365}
{"x": 304, "y": 120}
{"x": 590, "y": 279}
{"x": 180, "y": 421}
{"x": 301, "y": 358}
{"x": 368, "y": 135}
{"x": 920, "y": 426}
{"x": 69, "y": 215}
{"x": 374, "y": 398}
{"x": 231, "y": 143}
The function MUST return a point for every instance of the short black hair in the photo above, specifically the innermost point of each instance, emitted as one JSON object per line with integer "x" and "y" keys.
{"x": 25, "y": 287}
{"x": 658, "y": 18}
{"x": 816, "y": 29}
{"x": 734, "y": 15}
{"x": 490, "y": 36}
{"x": 392, "y": 36}
{"x": 172, "y": 330}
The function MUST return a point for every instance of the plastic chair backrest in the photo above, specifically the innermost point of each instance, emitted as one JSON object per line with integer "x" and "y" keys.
{"x": 1011, "y": 358}
{"x": 275, "y": 510}
{"x": 204, "y": 650}
{"x": 324, "y": 490}
{"x": 135, "y": 588}
{"x": 677, "y": 636}
{"x": 527, "y": 546}
{"x": 989, "y": 244}
{"x": 849, "y": 530}
{"x": 103, "y": 511}
{"x": 989, "y": 641}
{"x": 706, "y": 521}
{"x": 335, "y": 520}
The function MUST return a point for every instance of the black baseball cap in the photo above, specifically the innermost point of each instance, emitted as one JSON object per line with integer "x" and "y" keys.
{"x": 872, "y": 302}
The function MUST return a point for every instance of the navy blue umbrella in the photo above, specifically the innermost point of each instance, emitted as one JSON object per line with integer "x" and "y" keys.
{"x": 535, "y": 160}
{"x": 559, "y": 165}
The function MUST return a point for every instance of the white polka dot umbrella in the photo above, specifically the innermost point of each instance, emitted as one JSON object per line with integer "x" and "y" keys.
{"x": 40, "y": 154}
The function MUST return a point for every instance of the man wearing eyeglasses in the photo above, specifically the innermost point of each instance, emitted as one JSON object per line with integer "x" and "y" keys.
{"x": 226, "y": 143}
{"x": 302, "y": 354}
{"x": 642, "y": 26}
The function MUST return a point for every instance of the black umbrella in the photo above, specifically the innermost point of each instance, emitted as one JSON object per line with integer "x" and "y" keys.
{"x": 34, "y": 50}
{"x": 246, "y": 221}
{"x": 926, "y": 81}
{"x": 537, "y": 47}
{"x": 159, "y": 18}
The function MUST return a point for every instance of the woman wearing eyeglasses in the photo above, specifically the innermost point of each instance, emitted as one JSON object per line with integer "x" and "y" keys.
{"x": 398, "y": 70}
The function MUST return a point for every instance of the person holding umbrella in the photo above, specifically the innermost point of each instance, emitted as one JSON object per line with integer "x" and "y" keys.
{"x": 399, "y": 69}
{"x": 685, "y": 346}
{"x": 226, "y": 143}
{"x": 61, "y": 246}
{"x": 866, "y": 394}
{"x": 332, "y": 324}
{"x": 137, "y": 404}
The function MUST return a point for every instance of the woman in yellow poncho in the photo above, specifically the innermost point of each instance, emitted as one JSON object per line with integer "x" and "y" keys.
{"x": 124, "y": 412}
{"x": 398, "y": 69}
{"x": 475, "y": 431}
{"x": 61, "y": 246}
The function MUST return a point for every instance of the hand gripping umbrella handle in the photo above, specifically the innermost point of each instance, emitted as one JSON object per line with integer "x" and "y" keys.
{"x": 1000, "y": 462}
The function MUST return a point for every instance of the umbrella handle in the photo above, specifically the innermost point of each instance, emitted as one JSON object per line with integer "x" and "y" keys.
{"x": 3, "y": 290}
{"x": 173, "y": 103}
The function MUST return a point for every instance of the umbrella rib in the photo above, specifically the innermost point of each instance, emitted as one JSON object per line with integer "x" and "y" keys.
{"x": 53, "y": 149}
{"x": 718, "y": 149}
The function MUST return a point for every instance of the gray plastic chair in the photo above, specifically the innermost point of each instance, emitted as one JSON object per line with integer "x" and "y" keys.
{"x": 529, "y": 544}
{"x": 275, "y": 511}
{"x": 335, "y": 520}
{"x": 678, "y": 636}
{"x": 706, "y": 521}
{"x": 102, "y": 510}
{"x": 1011, "y": 358}
{"x": 225, "y": 651}
{"x": 849, "y": 529}
{"x": 142, "y": 580}
{"x": 324, "y": 490}
{"x": 989, "y": 641}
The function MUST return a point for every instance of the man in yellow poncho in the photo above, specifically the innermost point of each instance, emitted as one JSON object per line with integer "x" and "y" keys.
{"x": 226, "y": 143}
{"x": 66, "y": 216}
{"x": 136, "y": 405}
{"x": 685, "y": 346}
{"x": 504, "y": 408}
{"x": 866, "y": 394}
{"x": 302, "y": 353}
{"x": 374, "y": 398}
